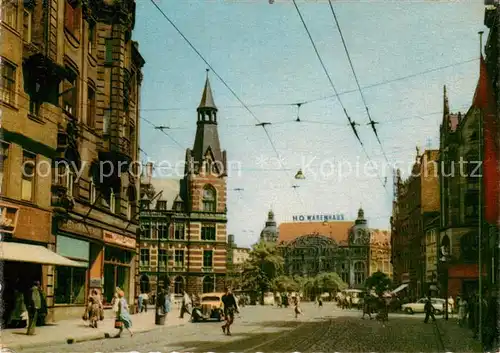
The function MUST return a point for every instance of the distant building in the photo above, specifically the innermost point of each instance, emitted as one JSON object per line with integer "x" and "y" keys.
{"x": 187, "y": 217}
{"x": 270, "y": 232}
{"x": 380, "y": 252}
{"x": 310, "y": 248}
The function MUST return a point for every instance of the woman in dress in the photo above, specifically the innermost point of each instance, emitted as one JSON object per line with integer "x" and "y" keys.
{"x": 94, "y": 308}
{"x": 462, "y": 310}
{"x": 123, "y": 316}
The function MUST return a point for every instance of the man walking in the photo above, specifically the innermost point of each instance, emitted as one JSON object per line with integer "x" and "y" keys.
{"x": 35, "y": 304}
{"x": 429, "y": 310}
{"x": 230, "y": 307}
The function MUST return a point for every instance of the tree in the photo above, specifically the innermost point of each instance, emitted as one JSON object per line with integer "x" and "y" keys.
{"x": 324, "y": 282}
{"x": 263, "y": 266}
{"x": 379, "y": 282}
{"x": 285, "y": 284}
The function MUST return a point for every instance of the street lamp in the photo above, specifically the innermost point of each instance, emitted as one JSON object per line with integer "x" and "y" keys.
{"x": 299, "y": 175}
{"x": 443, "y": 259}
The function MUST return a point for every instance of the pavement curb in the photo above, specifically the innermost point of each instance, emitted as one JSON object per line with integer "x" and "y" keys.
{"x": 87, "y": 338}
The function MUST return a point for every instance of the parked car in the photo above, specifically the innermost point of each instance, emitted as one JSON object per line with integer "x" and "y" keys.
{"x": 210, "y": 307}
{"x": 418, "y": 307}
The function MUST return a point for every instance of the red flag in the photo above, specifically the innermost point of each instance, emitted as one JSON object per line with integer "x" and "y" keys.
{"x": 484, "y": 99}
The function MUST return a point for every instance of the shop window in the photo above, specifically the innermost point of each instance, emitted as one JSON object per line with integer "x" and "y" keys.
{"x": 28, "y": 177}
{"x": 72, "y": 18}
{"x": 108, "y": 59}
{"x": 208, "y": 259}
{"x": 179, "y": 231}
{"x": 69, "y": 286}
{"x": 27, "y": 26}
{"x": 144, "y": 257}
{"x": 9, "y": 14}
{"x": 208, "y": 232}
{"x": 208, "y": 284}
{"x": 179, "y": 258}
{"x": 4, "y": 158}
{"x": 209, "y": 199}
{"x": 8, "y": 82}
{"x": 161, "y": 205}
{"x": 117, "y": 256}
{"x": 163, "y": 231}
{"x": 92, "y": 38}
{"x": 163, "y": 258}
{"x": 91, "y": 106}
{"x": 146, "y": 231}
{"x": 69, "y": 94}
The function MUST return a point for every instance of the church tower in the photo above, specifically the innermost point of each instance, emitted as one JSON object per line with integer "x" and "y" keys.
{"x": 204, "y": 187}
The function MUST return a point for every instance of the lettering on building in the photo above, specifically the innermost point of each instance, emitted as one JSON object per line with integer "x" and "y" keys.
{"x": 81, "y": 228}
{"x": 118, "y": 239}
{"x": 318, "y": 217}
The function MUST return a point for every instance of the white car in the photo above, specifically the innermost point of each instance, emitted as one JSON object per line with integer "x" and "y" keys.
{"x": 418, "y": 307}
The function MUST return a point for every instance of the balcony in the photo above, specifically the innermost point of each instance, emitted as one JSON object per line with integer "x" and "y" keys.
{"x": 207, "y": 269}
{"x": 179, "y": 268}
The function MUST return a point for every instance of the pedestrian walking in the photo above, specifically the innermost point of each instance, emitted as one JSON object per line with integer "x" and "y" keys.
{"x": 462, "y": 311}
{"x": 34, "y": 305}
{"x": 383, "y": 312}
{"x": 185, "y": 305}
{"x": 94, "y": 309}
{"x": 429, "y": 310}
{"x": 320, "y": 302}
{"x": 297, "y": 309}
{"x": 367, "y": 306}
{"x": 123, "y": 319}
{"x": 18, "y": 318}
{"x": 230, "y": 307}
{"x": 167, "y": 303}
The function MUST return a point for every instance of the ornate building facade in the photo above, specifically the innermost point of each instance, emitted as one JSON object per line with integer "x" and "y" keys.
{"x": 70, "y": 103}
{"x": 380, "y": 252}
{"x": 310, "y": 248}
{"x": 183, "y": 222}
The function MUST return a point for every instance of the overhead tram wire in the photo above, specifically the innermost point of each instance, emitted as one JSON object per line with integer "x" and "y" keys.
{"x": 313, "y": 100}
{"x": 161, "y": 128}
{"x": 371, "y": 123}
{"x": 351, "y": 122}
{"x": 259, "y": 123}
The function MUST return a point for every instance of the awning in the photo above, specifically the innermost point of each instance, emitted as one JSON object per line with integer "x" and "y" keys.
{"x": 400, "y": 288}
{"x": 20, "y": 252}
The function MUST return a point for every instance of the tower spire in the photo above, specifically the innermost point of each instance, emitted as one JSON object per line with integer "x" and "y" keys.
{"x": 446, "y": 104}
{"x": 207, "y": 98}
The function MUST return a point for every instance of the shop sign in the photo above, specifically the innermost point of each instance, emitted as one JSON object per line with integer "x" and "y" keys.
{"x": 80, "y": 228}
{"x": 8, "y": 218}
{"x": 318, "y": 217}
{"x": 118, "y": 239}
{"x": 95, "y": 282}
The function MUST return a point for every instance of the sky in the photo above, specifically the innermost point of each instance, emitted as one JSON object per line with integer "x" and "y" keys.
{"x": 402, "y": 52}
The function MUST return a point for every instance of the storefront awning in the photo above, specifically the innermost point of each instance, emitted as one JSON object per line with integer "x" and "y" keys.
{"x": 20, "y": 252}
{"x": 400, "y": 288}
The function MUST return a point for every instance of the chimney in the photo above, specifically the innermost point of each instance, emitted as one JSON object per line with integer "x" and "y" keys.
{"x": 149, "y": 172}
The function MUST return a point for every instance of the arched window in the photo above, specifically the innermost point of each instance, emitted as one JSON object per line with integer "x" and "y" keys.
{"x": 208, "y": 284}
{"x": 344, "y": 273}
{"x": 209, "y": 201}
{"x": 145, "y": 287}
{"x": 179, "y": 285}
{"x": 359, "y": 272}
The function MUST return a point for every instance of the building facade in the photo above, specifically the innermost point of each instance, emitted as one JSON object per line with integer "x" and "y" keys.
{"x": 461, "y": 197}
{"x": 380, "y": 252}
{"x": 432, "y": 228}
{"x": 310, "y": 248}
{"x": 417, "y": 201}
{"x": 70, "y": 102}
{"x": 183, "y": 244}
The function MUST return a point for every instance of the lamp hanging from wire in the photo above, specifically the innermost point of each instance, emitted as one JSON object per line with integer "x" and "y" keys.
{"x": 299, "y": 175}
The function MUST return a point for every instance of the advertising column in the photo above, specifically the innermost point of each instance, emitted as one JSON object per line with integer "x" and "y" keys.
{"x": 119, "y": 253}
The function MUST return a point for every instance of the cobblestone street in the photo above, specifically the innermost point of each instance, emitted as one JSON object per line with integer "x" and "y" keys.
{"x": 267, "y": 329}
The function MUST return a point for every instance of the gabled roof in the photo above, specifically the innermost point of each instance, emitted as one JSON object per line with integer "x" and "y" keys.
{"x": 170, "y": 190}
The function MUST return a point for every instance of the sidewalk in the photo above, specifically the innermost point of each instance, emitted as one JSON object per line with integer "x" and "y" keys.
{"x": 79, "y": 331}
{"x": 456, "y": 338}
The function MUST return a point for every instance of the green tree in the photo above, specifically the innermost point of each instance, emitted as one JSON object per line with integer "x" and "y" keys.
{"x": 263, "y": 266}
{"x": 379, "y": 282}
{"x": 285, "y": 284}
{"x": 324, "y": 282}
